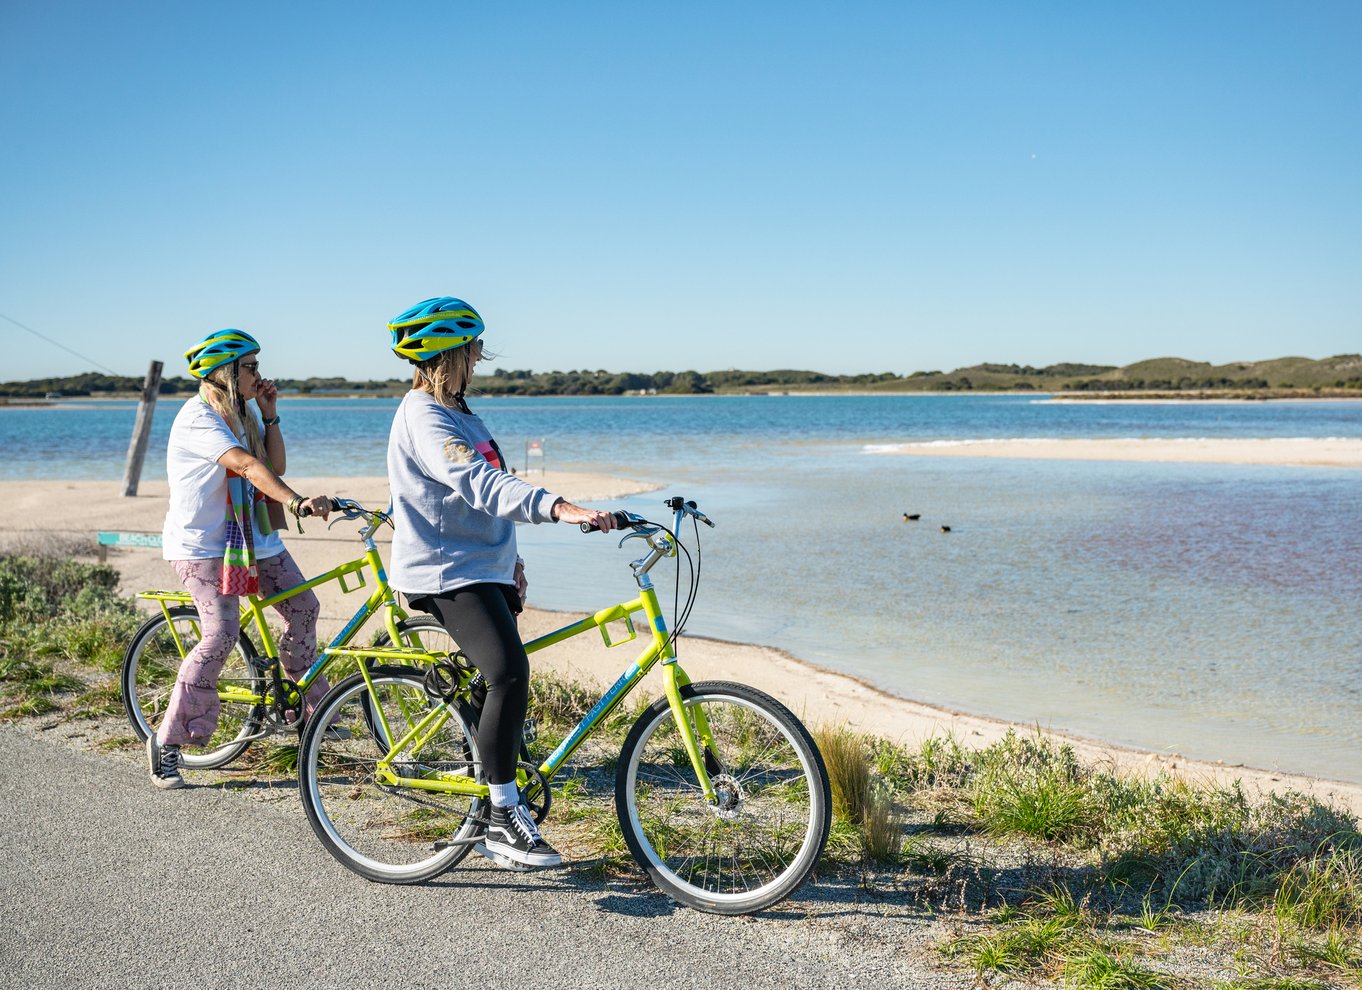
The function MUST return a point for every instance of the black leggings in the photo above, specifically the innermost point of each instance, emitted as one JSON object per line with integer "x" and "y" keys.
{"x": 481, "y": 618}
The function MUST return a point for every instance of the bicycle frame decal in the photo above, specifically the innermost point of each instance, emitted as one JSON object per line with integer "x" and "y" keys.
{"x": 618, "y": 690}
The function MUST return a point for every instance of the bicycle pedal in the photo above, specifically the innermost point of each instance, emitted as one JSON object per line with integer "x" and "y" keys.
{"x": 505, "y": 862}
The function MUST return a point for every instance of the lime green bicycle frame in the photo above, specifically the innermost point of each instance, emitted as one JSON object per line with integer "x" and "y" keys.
{"x": 694, "y": 730}
{"x": 382, "y": 598}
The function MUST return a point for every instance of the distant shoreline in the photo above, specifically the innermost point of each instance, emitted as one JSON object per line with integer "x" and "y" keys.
{"x": 816, "y": 693}
{"x": 1230, "y": 396}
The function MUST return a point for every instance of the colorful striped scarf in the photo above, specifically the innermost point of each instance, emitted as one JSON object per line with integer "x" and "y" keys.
{"x": 239, "y": 573}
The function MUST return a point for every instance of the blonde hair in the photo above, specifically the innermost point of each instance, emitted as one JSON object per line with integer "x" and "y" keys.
{"x": 219, "y": 389}
{"x": 447, "y": 374}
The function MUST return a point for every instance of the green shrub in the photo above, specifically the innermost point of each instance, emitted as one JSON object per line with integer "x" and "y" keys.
{"x": 1323, "y": 891}
{"x": 847, "y": 758}
{"x": 1027, "y": 785}
{"x": 32, "y": 588}
{"x": 1209, "y": 844}
{"x": 881, "y": 829}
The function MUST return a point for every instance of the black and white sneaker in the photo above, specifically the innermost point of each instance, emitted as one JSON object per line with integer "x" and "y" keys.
{"x": 163, "y": 762}
{"x": 513, "y": 840}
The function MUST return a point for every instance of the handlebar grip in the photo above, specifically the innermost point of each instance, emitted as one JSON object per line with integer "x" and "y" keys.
{"x": 303, "y": 510}
{"x": 621, "y": 520}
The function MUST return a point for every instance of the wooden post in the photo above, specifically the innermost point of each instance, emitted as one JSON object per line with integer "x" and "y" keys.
{"x": 141, "y": 431}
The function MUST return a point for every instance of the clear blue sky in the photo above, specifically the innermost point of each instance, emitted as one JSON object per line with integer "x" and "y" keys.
{"x": 844, "y": 186}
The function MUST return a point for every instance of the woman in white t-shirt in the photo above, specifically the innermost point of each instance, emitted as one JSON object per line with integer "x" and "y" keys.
{"x": 223, "y": 461}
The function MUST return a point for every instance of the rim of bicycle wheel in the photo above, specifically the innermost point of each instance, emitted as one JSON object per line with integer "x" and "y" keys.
{"x": 324, "y": 819}
{"x": 808, "y": 848}
{"x": 192, "y": 757}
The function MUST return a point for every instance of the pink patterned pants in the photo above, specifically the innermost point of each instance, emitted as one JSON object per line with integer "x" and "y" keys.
{"x": 192, "y": 714}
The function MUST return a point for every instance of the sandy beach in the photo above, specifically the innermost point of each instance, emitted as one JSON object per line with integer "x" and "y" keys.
{"x": 1291, "y": 451}
{"x": 73, "y": 511}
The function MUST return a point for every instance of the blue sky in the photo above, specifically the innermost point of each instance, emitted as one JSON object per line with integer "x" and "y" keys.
{"x": 847, "y": 187}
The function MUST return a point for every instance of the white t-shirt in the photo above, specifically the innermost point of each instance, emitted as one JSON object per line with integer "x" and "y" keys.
{"x": 196, "y": 520}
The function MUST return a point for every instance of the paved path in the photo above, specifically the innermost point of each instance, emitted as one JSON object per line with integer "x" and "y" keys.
{"x": 107, "y": 882}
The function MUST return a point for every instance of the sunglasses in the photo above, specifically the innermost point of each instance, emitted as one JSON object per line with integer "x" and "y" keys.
{"x": 252, "y": 366}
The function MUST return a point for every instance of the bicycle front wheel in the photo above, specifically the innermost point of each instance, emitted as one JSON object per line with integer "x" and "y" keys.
{"x": 150, "y": 666}
{"x": 382, "y": 831}
{"x": 762, "y": 838}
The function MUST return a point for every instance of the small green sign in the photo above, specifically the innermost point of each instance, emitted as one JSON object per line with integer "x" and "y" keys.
{"x": 129, "y": 539}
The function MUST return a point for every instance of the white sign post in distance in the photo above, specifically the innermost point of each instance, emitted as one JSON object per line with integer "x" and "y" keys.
{"x": 534, "y": 449}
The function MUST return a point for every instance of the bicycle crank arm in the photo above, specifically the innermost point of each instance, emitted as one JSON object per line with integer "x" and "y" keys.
{"x": 258, "y": 735}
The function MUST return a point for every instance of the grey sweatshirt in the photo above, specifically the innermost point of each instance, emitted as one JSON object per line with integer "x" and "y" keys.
{"x": 454, "y": 504}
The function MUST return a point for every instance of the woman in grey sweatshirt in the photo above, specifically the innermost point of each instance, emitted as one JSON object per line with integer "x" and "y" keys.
{"x": 455, "y": 507}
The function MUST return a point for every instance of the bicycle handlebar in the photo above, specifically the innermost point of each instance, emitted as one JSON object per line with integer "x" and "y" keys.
{"x": 304, "y": 511}
{"x": 628, "y": 520}
{"x": 623, "y": 520}
{"x": 346, "y": 508}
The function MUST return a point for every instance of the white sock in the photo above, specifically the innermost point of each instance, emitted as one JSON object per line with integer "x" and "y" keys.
{"x": 504, "y": 795}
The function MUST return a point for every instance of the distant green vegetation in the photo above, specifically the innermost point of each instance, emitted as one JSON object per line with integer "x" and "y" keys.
{"x": 97, "y": 385}
{"x": 1258, "y": 379}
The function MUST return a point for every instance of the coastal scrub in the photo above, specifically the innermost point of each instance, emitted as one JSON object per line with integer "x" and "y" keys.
{"x": 1040, "y": 866}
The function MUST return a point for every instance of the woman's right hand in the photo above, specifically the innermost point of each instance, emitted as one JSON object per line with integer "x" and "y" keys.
{"x": 569, "y": 513}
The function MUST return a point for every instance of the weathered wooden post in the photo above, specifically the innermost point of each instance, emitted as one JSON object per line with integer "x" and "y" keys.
{"x": 141, "y": 431}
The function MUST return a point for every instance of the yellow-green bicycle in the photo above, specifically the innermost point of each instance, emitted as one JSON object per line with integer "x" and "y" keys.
{"x": 720, "y": 791}
{"x": 258, "y": 699}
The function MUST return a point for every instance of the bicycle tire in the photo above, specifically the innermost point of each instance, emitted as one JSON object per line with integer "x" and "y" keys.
{"x": 150, "y": 666}
{"x": 423, "y": 632}
{"x": 386, "y": 833}
{"x": 772, "y": 824}
{"x": 432, "y": 635}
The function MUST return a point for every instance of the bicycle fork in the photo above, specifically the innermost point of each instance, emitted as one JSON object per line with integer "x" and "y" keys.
{"x": 697, "y": 738}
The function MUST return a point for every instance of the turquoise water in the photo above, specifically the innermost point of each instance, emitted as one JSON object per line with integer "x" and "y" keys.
{"x": 1211, "y": 610}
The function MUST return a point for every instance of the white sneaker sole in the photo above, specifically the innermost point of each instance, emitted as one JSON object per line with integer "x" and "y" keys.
{"x": 164, "y": 783}
{"x": 505, "y": 862}
{"x": 512, "y": 860}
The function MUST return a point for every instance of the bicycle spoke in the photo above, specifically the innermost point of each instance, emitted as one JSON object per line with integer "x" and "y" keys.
{"x": 383, "y": 830}
{"x": 151, "y": 667}
{"x": 764, "y": 831}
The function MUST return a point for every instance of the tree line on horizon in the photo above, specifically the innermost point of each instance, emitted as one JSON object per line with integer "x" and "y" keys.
{"x": 1343, "y": 372}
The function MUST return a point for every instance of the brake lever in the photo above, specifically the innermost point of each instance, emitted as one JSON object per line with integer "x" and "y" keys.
{"x": 639, "y": 534}
{"x": 344, "y": 515}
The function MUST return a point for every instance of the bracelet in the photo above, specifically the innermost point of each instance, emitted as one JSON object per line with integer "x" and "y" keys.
{"x": 295, "y": 503}
{"x": 272, "y": 421}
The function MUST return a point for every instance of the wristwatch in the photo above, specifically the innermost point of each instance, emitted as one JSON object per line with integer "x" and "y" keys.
{"x": 271, "y": 421}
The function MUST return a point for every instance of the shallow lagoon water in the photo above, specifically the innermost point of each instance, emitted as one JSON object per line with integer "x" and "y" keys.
{"x": 1211, "y": 610}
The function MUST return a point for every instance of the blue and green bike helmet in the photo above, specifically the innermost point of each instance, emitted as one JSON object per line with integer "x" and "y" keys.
{"x": 433, "y": 327}
{"x": 217, "y": 349}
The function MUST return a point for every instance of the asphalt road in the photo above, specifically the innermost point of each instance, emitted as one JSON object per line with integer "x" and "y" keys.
{"x": 107, "y": 882}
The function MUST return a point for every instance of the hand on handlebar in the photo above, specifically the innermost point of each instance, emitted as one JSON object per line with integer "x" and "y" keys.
{"x": 318, "y": 505}
{"x": 589, "y": 519}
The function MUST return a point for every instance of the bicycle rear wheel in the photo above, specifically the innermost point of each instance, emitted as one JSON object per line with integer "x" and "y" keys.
{"x": 423, "y": 632}
{"x": 150, "y": 666}
{"x": 384, "y": 832}
{"x": 768, "y": 830}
